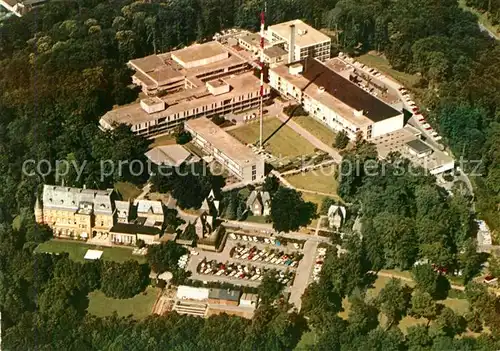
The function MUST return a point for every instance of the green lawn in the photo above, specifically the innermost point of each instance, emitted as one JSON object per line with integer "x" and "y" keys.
{"x": 320, "y": 179}
{"x": 128, "y": 191}
{"x": 314, "y": 198}
{"x": 381, "y": 64}
{"x": 285, "y": 143}
{"x": 78, "y": 249}
{"x": 139, "y": 306}
{"x": 316, "y": 128}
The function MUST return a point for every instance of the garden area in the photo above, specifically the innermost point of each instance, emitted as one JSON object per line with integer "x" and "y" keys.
{"x": 285, "y": 143}
{"x": 139, "y": 306}
{"x": 77, "y": 250}
{"x": 321, "y": 179}
{"x": 316, "y": 128}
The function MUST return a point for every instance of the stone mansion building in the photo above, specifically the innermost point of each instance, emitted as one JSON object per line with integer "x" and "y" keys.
{"x": 96, "y": 215}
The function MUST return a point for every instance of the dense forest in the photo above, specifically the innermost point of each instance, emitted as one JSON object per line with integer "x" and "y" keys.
{"x": 63, "y": 65}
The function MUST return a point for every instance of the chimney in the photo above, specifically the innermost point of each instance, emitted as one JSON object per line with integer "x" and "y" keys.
{"x": 291, "y": 44}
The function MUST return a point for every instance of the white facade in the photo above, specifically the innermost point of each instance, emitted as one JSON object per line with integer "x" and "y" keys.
{"x": 227, "y": 150}
{"x": 185, "y": 292}
{"x": 308, "y": 42}
{"x": 327, "y": 109}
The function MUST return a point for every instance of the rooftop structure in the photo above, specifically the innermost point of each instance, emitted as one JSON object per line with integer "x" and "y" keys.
{"x": 171, "y": 155}
{"x": 304, "y": 40}
{"x": 251, "y": 42}
{"x": 122, "y": 211}
{"x": 334, "y": 100}
{"x": 224, "y": 294}
{"x": 185, "y": 292}
{"x": 419, "y": 148}
{"x": 230, "y": 94}
{"x": 200, "y": 54}
{"x": 185, "y": 68}
{"x": 83, "y": 201}
{"x": 226, "y": 149}
{"x": 407, "y": 141}
{"x": 148, "y": 206}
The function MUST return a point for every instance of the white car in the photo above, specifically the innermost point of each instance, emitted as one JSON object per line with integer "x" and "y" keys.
{"x": 232, "y": 236}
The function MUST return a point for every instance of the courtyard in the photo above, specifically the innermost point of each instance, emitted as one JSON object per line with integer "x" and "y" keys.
{"x": 285, "y": 143}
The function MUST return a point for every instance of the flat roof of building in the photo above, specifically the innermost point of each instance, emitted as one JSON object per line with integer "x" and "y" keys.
{"x": 222, "y": 141}
{"x": 172, "y": 155}
{"x": 224, "y": 294}
{"x": 274, "y": 51}
{"x": 337, "y": 92}
{"x": 183, "y": 101}
{"x": 162, "y": 69}
{"x": 397, "y": 142}
{"x": 253, "y": 39}
{"x": 309, "y": 37}
{"x": 418, "y": 146}
{"x": 199, "y": 51}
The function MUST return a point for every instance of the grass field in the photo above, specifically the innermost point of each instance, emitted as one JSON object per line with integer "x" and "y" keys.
{"x": 316, "y": 128}
{"x": 77, "y": 250}
{"x": 314, "y": 198}
{"x": 138, "y": 306}
{"x": 285, "y": 143}
{"x": 322, "y": 180}
{"x": 128, "y": 191}
{"x": 381, "y": 64}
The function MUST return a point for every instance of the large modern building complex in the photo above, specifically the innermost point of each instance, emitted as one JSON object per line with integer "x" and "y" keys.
{"x": 300, "y": 40}
{"x": 155, "y": 115}
{"x": 186, "y": 68}
{"x": 236, "y": 157}
{"x": 334, "y": 100}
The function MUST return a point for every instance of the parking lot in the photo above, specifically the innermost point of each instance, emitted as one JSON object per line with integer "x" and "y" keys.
{"x": 299, "y": 275}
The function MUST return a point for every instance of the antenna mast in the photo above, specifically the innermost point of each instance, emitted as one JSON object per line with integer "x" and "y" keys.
{"x": 262, "y": 25}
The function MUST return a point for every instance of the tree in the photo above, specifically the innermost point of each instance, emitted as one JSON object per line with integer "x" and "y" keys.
{"x": 431, "y": 282}
{"x": 270, "y": 288}
{"x": 123, "y": 280}
{"x": 218, "y": 119}
{"x": 363, "y": 316}
{"x": 494, "y": 266}
{"x": 271, "y": 184}
{"x": 470, "y": 260}
{"x": 165, "y": 256}
{"x": 183, "y": 137}
{"x": 393, "y": 301}
{"x": 418, "y": 338}
{"x": 423, "y": 306}
{"x": 448, "y": 323}
{"x": 289, "y": 211}
{"x": 341, "y": 140}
